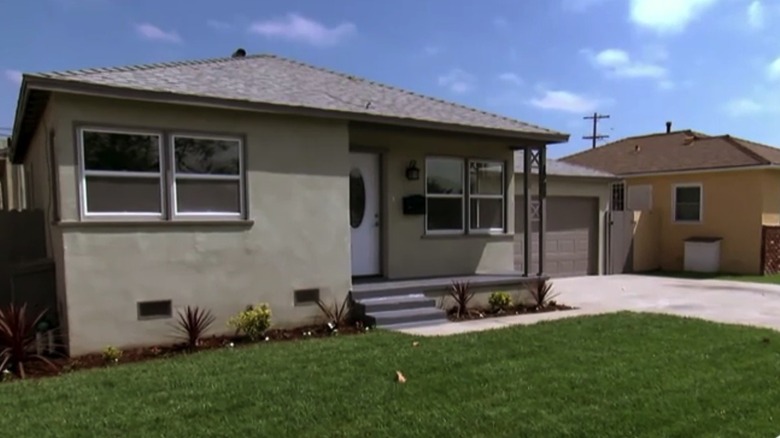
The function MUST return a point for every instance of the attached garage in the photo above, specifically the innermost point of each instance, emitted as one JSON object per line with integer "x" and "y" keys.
{"x": 577, "y": 201}
{"x": 572, "y": 236}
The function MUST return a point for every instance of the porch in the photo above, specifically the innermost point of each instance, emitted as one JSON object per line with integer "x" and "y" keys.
{"x": 381, "y": 286}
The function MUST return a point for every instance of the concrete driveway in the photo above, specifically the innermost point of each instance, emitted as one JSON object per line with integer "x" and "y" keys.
{"x": 716, "y": 300}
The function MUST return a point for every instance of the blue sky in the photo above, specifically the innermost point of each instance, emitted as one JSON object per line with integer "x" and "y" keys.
{"x": 709, "y": 65}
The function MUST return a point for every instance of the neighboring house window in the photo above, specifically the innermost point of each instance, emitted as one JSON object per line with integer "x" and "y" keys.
{"x": 445, "y": 194}
{"x": 486, "y": 196}
{"x": 122, "y": 173}
{"x": 207, "y": 176}
{"x": 687, "y": 201}
{"x": 618, "y": 197}
{"x": 447, "y": 207}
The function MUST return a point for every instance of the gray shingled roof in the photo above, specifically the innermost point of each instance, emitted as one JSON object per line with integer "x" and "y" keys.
{"x": 560, "y": 168}
{"x": 273, "y": 80}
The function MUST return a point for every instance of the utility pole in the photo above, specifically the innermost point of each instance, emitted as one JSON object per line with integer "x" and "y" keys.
{"x": 595, "y": 136}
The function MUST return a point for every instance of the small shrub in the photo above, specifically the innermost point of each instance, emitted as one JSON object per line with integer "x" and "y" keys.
{"x": 335, "y": 313}
{"x": 500, "y": 301}
{"x": 192, "y": 324}
{"x": 462, "y": 294}
{"x": 17, "y": 339}
{"x": 542, "y": 293}
{"x": 111, "y": 354}
{"x": 253, "y": 321}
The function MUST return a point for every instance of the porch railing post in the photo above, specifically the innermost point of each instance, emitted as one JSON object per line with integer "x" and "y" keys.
{"x": 527, "y": 210}
{"x": 542, "y": 172}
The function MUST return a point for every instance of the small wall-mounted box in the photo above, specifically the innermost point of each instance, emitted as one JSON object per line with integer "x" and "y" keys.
{"x": 702, "y": 254}
{"x": 414, "y": 205}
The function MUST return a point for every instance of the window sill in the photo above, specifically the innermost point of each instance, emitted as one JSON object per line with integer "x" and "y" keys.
{"x": 445, "y": 236}
{"x": 124, "y": 223}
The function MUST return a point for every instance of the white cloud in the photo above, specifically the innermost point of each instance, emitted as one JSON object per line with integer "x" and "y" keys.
{"x": 667, "y": 16}
{"x": 458, "y": 81}
{"x": 511, "y": 78}
{"x": 618, "y": 63}
{"x": 560, "y": 100}
{"x": 580, "y": 5}
{"x": 152, "y": 32}
{"x": 773, "y": 70}
{"x": 14, "y": 76}
{"x": 218, "y": 24}
{"x": 744, "y": 107}
{"x": 755, "y": 15}
{"x": 296, "y": 27}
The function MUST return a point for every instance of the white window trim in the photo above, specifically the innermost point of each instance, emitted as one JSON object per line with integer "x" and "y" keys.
{"x": 104, "y": 173}
{"x": 501, "y": 197}
{"x": 674, "y": 202}
{"x": 461, "y": 196}
{"x": 240, "y": 178}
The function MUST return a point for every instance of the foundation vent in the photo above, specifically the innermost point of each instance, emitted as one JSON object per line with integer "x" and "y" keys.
{"x": 154, "y": 309}
{"x": 306, "y": 296}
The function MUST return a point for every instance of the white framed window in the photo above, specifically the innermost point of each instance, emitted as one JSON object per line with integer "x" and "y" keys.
{"x": 143, "y": 174}
{"x": 121, "y": 173}
{"x": 445, "y": 195}
{"x": 486, "y": 196}
{"x": 207, "y": 176}
{"x": 687, "y": 203}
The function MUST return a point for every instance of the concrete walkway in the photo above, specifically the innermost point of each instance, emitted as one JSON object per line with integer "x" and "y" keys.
{"x": 715, "y": 300}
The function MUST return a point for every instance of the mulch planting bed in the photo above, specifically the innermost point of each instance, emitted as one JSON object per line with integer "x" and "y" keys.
{"x": 38, "y": 369}
{"x": 482, "y": 313}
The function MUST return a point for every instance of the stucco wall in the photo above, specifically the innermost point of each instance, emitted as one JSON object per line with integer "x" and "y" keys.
{"x": 732, "y": 209}
{"x": 770, "y": 197}
{"x": 585, "y": 187}
{"x": 288, "y": 246}
{"x": 408, "y": 252}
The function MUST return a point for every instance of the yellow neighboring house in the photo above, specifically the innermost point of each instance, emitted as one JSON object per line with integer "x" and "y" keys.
{"x": 701, "y": 202}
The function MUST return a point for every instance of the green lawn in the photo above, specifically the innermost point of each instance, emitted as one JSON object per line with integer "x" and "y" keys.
{"x": 621, "y": 375}
{"x": 770, "y": 279}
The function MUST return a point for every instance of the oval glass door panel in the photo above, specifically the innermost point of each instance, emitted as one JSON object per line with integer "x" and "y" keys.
{"x": 357, "y": 198}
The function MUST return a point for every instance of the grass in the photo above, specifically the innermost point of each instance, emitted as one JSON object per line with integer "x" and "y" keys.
{"x": 620, "y": 375}
{"x": 767, "y": 279}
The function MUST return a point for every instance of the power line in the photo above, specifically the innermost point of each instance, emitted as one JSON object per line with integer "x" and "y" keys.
{"x": 595, "y": 136}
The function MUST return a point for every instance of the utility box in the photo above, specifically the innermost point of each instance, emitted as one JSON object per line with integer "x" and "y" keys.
{"x": 702, "y": 254}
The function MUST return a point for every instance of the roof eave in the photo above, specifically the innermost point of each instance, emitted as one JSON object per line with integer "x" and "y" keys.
{"x": 68, "y": 86}
{"x": 701, "y": 170}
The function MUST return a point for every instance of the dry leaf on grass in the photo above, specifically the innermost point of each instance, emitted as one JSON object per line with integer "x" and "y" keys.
{"x": 400, "y": 377}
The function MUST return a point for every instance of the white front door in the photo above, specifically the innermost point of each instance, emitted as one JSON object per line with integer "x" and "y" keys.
{"x": 364, "y": 213}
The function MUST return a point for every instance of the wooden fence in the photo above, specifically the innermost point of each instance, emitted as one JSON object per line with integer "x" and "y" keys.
{"x": 27, "y": 273}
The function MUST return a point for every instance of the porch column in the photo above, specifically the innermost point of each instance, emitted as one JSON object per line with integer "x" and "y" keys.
{"x": 527, "y": 151}
{"x": 541, "y": 156}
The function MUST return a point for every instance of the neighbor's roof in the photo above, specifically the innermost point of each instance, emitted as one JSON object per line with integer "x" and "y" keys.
{"x": 279, "y": 83}
{"x": 559, "y": 168}
{"x": 674, "y": 152}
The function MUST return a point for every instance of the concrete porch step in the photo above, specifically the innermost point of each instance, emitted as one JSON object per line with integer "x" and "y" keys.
{"x": 409, "y": 316}
{"x": 400, "y": 302}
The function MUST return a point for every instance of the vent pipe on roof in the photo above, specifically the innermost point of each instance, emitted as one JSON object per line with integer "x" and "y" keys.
{"x": 239, "y": 53}
{"x": 668, "y": 127}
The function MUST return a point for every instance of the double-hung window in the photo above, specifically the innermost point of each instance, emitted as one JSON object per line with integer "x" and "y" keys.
{"x": 122, "y": 173}
{"x": 687, "y": 203}
{"x": 458, "y": 200}
{"x": 148, "y": 174}
{"x": 445, "y": 195}
{"x": 206, "y": 176}
{"x": 486, "y": 196}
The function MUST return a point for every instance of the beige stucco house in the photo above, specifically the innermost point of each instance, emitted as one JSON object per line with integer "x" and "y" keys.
{"x": 225, "y": 182}
{"x": 697, "y": 202}
{"x": 12, "y": 194}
